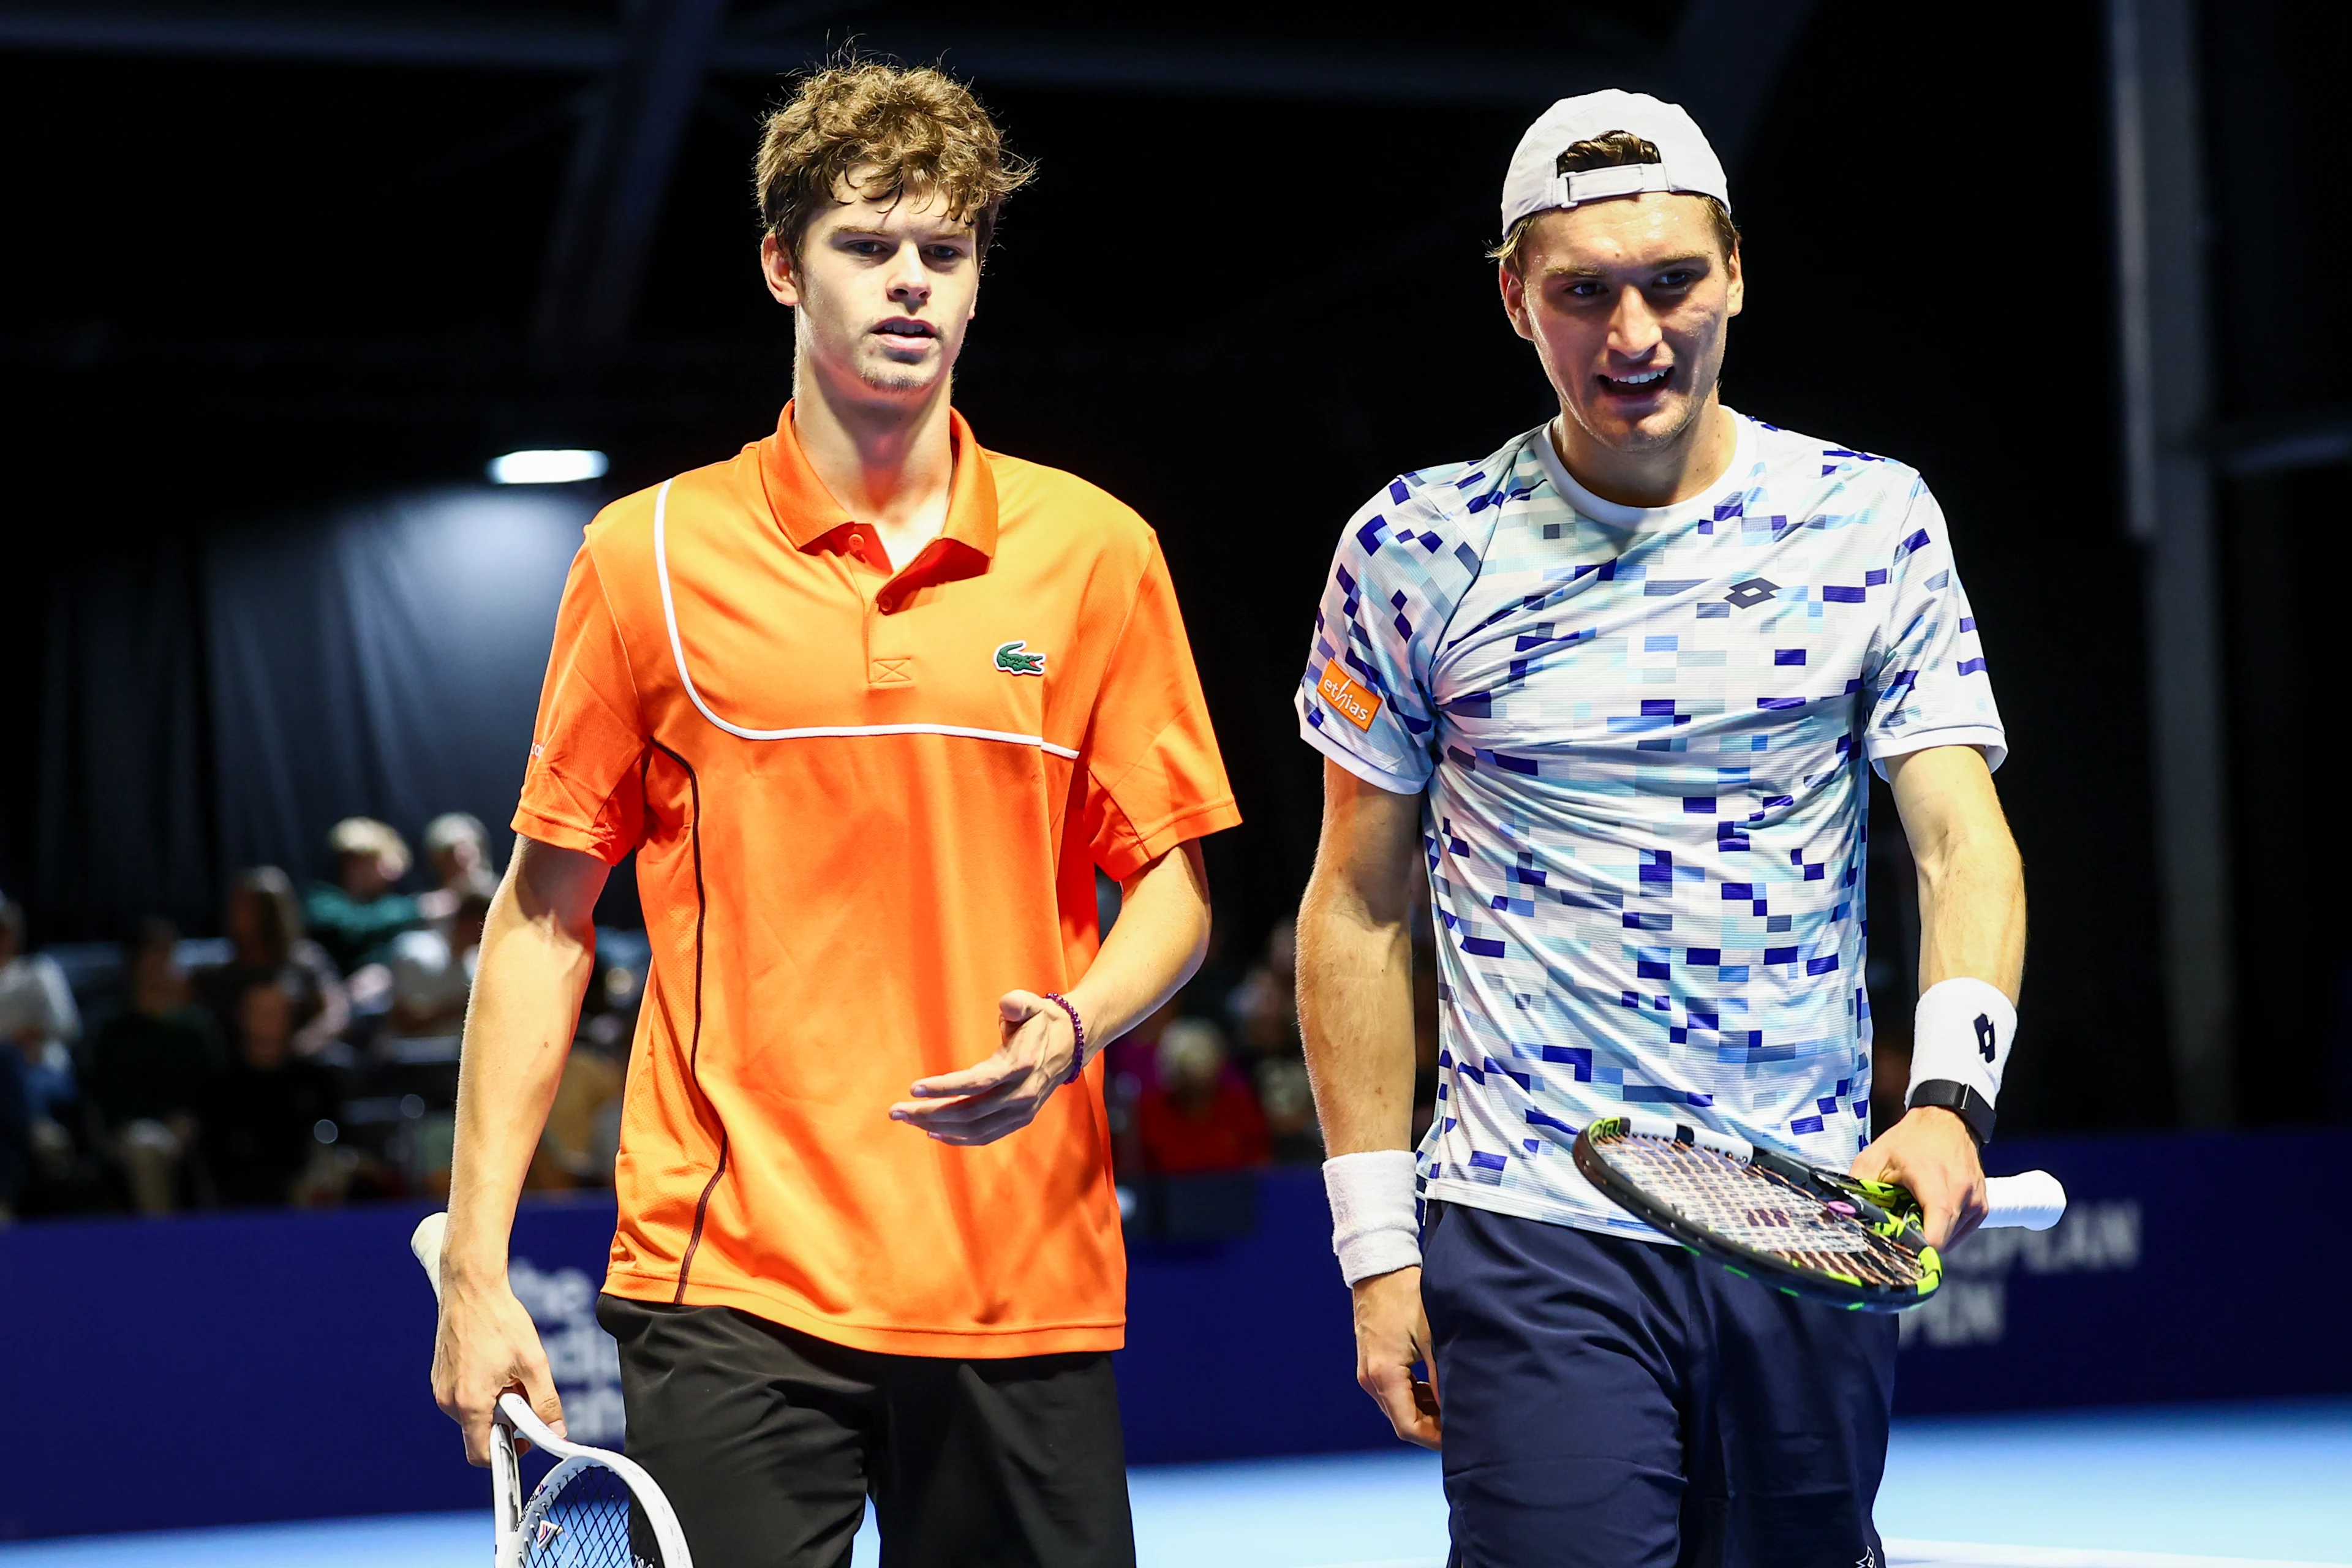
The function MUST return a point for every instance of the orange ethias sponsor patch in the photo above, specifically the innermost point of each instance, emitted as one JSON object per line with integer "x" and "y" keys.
{"x": 1346, "y": 699}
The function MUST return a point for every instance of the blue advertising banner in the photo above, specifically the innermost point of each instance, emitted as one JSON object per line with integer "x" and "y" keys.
{"x": 280, "y": 1359}
{"x": 2145, "y": 1291}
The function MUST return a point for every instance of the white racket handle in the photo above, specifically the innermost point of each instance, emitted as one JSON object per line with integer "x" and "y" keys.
{"x": 2032, "y": 1200}
{"x": 426, "y": 1242}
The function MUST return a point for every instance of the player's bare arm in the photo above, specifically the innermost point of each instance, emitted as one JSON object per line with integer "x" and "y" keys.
{"x": 1355, "y": 1011}
{"x": 1161, "y": 935}
{"x": 1972, "y": 926}
{"x": 538, "y": 949}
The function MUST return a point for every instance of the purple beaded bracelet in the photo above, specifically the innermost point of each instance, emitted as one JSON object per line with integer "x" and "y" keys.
{"x": 1078, "y": 1029}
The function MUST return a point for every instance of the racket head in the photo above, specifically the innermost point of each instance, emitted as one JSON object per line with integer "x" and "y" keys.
{"x": 583, "y": 1515}
{"x": 1809, "y": 1233}
{"x": 596, "y": 1509}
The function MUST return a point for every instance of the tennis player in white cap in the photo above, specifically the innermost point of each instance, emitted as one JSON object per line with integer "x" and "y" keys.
{"x": 1611, "y": 689}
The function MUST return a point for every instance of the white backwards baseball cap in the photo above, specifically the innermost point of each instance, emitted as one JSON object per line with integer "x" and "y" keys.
{"x": 1685, "y": 161}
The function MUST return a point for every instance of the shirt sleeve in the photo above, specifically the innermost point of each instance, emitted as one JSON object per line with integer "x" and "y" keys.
{"x": 583, "y": 787}
{"x": 1928, "y": 686}
{"x": 1365, "y": 700}
{"x": 1154, "y": 777}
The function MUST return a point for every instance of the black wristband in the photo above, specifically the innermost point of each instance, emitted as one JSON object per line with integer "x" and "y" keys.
{"x": 1971, "y": 1107}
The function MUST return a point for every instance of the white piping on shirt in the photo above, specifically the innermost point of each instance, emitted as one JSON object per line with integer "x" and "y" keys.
{"x": 822, "y": 731}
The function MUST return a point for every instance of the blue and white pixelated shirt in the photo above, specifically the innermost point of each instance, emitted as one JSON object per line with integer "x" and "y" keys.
{"x": 1640, "y": 736}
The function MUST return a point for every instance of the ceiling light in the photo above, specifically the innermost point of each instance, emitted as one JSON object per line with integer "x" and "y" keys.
{"x": 548, "y": 466}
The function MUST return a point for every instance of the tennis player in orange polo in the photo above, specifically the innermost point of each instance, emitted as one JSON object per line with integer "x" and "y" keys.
{"x": 871, "y": 703}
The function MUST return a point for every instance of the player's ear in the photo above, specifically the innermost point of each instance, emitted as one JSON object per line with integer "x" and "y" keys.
{"x": 1736, "y": 288}
{"x": 1514, "y": 287}
{"x": 776, "y": 266}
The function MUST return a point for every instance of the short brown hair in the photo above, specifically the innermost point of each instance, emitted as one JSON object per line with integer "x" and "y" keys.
{"x": 917, "y": 130}
{"x": 1615, "y": 150}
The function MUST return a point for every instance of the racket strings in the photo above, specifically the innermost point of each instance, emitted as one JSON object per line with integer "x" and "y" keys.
{"x": 586, "y": 1524}
{"x": 1758, "y": 1209}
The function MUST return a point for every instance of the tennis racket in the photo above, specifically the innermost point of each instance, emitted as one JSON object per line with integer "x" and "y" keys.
{"x": 1811, "y": 1233}
{"x": 581, "y": 1515}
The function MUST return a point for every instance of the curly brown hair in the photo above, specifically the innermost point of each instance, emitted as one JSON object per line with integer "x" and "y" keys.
{"x": 1613, "y": 151}
{"x": 915, "y": 130}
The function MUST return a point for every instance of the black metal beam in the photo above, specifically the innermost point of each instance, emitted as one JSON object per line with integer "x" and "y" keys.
{"x": 1232, "y": 68}
{"x": 2316, "y": 438}
{"x": 316, "y": 34}
{"x": 487, "y": 40}
{"x": 2162, "y": 302}
{"x": 620, "y": 174}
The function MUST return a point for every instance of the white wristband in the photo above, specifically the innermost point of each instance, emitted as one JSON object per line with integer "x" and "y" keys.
{"x": 1373, "y": 1227}
{"x": 1961, "y": 1031}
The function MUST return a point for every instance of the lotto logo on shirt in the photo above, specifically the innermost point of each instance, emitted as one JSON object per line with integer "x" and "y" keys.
{"x": 1346, "y": 699}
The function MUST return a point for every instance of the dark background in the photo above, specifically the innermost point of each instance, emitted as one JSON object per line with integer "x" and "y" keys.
{"x": 255, "y": 298}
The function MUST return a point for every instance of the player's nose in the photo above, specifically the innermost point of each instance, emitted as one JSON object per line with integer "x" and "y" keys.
{"x": 908, "y": 279}
{"x": 1633, "y": 328}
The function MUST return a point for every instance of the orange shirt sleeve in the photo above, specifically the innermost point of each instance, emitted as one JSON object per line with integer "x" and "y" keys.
{"x": 584, "y": 788}
{"x": 1154, "y": 777}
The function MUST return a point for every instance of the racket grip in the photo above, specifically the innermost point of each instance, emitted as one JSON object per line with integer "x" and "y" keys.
{"x": 2032, "y": 1200}
{"x": 426, "y": 1242}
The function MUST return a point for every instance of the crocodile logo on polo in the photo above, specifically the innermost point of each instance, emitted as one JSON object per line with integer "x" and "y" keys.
{"x": 1013, "y": 659}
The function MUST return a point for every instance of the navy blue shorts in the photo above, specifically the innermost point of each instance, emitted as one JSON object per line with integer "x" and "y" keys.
{"x": 1616, "y": 1404}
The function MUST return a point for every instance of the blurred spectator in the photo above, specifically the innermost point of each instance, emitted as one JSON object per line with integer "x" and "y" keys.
{"x": 608, "y": 1009}
{"x": 1287, "y": 1099}
{"x": 1130, "y": 1070}
{"x": 1134, "y": 1056}
{"x": 39, "y": 1098}
{"x": 149, "y": 1069}
{"x": 457, "y": 848}
{"x": 1221, "y": 970}
{"x": 583, "y": 1126}
{"x": 1198, "y": 1117}
{"x": 433, "y": 973}
{"x": 1264, "y": 1010}
{"x": 356, "y": 917}
{"x": 38, "y": 1017}
{"x": 265, "y": 929}
{"x": 1264, "y": 1005}
{"x": 268, "y": 1119}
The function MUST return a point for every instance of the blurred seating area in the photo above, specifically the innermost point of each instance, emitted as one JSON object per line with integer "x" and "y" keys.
{"x": 1216, "y": 1080}
{"x": 307, "y": 1056}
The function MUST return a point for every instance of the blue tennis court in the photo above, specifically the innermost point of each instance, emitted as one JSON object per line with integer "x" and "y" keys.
{"x": 2165, "y": 1487}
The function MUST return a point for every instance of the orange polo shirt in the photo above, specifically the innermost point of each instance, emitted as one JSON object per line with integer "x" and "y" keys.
{"x": 864, "y": 807}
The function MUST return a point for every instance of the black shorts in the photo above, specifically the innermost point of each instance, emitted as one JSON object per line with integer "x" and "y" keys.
{"x": 1617, "y": 1403}
{"x": 768, "y": 1443}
